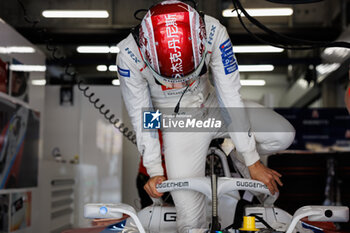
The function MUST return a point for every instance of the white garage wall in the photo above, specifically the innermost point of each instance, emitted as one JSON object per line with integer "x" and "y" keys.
{"x": 100, "y": 150}
{"x": 268, "y": 95}
{"x": 80, "y": 130}
{"x": 259, "y": 94}
{"x": 61, "y": 126}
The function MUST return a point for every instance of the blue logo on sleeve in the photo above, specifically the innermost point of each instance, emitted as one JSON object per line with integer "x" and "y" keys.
{"x": 151, "y": 120}
{"x": 211, "y": 34}
{"x": 124, "y": 72}
{"x": 228, "y": 58}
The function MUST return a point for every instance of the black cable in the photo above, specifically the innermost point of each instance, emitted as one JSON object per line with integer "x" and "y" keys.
{"x": 53, "y": 49}
{"x": 260, "y": 39}
{"x": 289, "y": 42}
{"x": 269, "y": 31}
{"x": 234, "y": 225}
{"x": 26, "y": 18}
{"x": 111, "y": 118}
{"x": 262, "y": 221}
{"x": 194, "y": 2}
{"x": 310, "y": 44}
{"x": 177, "y": 107}
{"x": 251, "y": 33}
{"x": 105, "y": 112}
{"x": 137, "y": 12}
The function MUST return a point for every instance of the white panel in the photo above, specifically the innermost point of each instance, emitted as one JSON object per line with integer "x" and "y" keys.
{"x": 299, "y": 89}
{"x": 61, "y": 126}
{"x": 37, "y": 102}
{"x": 48, "y": 171}
{"x": 311, "y": 13}
{"x": 268, "y": 95}
{"x": 257, "y": 94}
{"x": 100, "y": 151}
{"x": 81, "y": 130}
{"x": 10, "y": 37}
{"x": 87, "y": 192}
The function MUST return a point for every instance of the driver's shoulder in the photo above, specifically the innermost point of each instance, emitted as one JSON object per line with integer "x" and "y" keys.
{"x": 130, "y": 51}
{"x": 211, "y": 22}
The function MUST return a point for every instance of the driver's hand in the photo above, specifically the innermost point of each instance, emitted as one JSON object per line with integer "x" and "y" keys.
{"x": 150, "y": 186}
{"x": 269, "y": 177}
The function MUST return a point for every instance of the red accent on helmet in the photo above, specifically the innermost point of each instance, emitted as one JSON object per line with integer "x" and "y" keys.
{"x": 172, "y": 38}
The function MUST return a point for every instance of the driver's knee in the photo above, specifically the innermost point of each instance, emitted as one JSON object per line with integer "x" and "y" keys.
{"x": 275, "y": 142}
{"x": 287, "y": 139}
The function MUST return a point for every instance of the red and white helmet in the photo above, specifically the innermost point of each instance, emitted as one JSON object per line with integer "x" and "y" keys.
{"x": 172, "y": 41}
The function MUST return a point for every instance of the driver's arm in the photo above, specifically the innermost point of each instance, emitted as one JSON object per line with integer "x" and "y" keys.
{"x": 227, "y": 84}
{"x": 136, "y": 96}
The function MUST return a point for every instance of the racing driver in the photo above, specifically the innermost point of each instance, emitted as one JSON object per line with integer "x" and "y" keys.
{"x": 165, "y": 61}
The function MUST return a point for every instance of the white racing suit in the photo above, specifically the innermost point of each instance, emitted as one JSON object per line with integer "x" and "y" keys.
{"x": 185, "y": 152}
